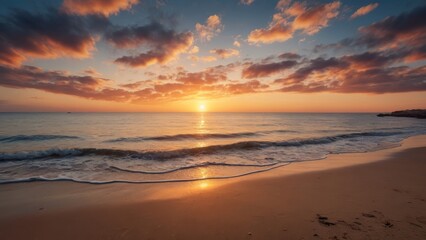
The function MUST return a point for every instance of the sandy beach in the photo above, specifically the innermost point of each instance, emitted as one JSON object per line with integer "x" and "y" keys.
{"x": 375, "y": 195}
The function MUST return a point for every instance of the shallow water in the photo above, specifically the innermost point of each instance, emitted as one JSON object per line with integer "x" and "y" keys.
{"x": 157, "y": 147}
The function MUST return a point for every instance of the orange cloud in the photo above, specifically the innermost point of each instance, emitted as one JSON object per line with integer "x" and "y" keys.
{"x": 246, "y": 2}
{"x": 212, "y": 27}
{"x": 364, "y": 10}
{"x": 293, "y": 18}
{"x": 202, "y": 59}
{"x": 101, "y": 7}
{"x": 225, "y": 53}
{"x": 194, "y": 50}
{"x": 210, "y": 83}
{"x": 275, "y": 33}
{"x": 311, "y": 20}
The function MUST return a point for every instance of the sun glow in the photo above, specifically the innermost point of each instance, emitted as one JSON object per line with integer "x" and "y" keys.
{"x": 202, "y": 107}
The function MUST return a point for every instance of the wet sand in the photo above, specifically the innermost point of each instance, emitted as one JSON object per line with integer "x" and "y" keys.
{"x": 376, "y": 195}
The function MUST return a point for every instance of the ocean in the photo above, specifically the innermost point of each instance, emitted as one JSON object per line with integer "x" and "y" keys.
{"x": 104, "y": 148}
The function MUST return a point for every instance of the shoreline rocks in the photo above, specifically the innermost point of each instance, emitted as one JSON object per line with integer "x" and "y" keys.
{"x": 413, "y": 113}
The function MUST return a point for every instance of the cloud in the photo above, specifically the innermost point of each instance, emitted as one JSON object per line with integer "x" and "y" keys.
{"x": 368, "y": 72}
{"x": 101, "y": 7}
{"x": 270, "y": 65}
{"x": 202, "y": 59}
{"x": 278, "y": 31}
{"x": 258, "y": 70}
{"x": 374, "y": 80}
{"x": 387, "y": 45}
{"x": 225, "y": 53}
{"x": 282, "y": 4}
{"x": 246, "y": 2}
{"x": 132, "y": 85}
{"x": 364, "y": 10}
{"x": 164, "y": 44}
{"x": 53, "y": 81}
{"x": 212, "y": 82}
{"x": 290, "y": 19}
{"x": 246, "y": 87}
{"x": 208, "y": 76}
{"x": 237, "y": 43}
{"x": 407, "y": 29}
{"x": 314, "y": 66}
{"x": 49, "y": 35}
{"x": 92, "y": 72}
{"x": 312, "y": 20}
{"x": 212, "y": 27}
{"x": 289, "y": 55}
{"x": 194, "y": 50}
{"x": 403, "y": 34}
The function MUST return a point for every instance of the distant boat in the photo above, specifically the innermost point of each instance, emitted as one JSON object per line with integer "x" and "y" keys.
{"x": 68, "y": 112}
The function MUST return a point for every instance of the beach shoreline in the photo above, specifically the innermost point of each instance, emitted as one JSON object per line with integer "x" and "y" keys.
{"x": 372, "y": 195}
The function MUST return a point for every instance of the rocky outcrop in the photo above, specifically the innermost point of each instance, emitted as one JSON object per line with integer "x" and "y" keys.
{"x": 413, "y": 113}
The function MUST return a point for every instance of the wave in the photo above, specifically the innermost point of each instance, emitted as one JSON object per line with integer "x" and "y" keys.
{"x": 64, "y": 179}
{"x": 18, "y": 138}
{"x": 195, "y": 136}
{"x": 186, "y": 152}
{"x": 205, "y": 164}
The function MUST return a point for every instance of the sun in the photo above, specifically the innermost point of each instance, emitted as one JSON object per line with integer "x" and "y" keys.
{"x": 202, "y": 107}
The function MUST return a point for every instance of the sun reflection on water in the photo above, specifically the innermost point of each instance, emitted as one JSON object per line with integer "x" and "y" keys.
{"x": 201, "y": 122}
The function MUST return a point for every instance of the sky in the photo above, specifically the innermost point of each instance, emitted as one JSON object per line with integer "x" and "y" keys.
{"x": 227, "y": 56}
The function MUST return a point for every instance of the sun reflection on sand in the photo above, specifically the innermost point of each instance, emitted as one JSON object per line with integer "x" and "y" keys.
{"x": 204, "y": 184}
{"x": 203, "y": 173}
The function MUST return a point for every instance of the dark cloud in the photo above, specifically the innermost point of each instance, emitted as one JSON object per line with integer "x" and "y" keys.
{"x": 225, "y": 52}
{"x": 369, "y": 72}
{"x": 315, "y": 65}
{"x": 387, "y": 44}
{"x": 46, "y": 35}
{"x": 376, "y": 80}
{"x": 266, "y": 69}
{"x": 52, "y": 81}
{"x": 165, "y": 44}
{"x": 407, "y": 30}
{"x": 289, "y": 56}
{"x": 208, "y": 76}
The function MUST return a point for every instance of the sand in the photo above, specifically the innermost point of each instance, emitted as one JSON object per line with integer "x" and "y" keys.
{"x": 376, "y": 195}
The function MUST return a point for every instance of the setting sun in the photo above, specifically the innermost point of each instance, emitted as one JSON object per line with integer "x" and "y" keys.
{"x": 202, "y": 107}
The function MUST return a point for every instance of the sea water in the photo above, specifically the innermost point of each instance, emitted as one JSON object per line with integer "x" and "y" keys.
{"x": 161, "y": 147}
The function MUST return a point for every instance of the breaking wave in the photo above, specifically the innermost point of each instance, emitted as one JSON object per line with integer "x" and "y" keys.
{"x": 185, "y": 152}
{"x": 17, "y": 138}
{"x": 195, "y": 136}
